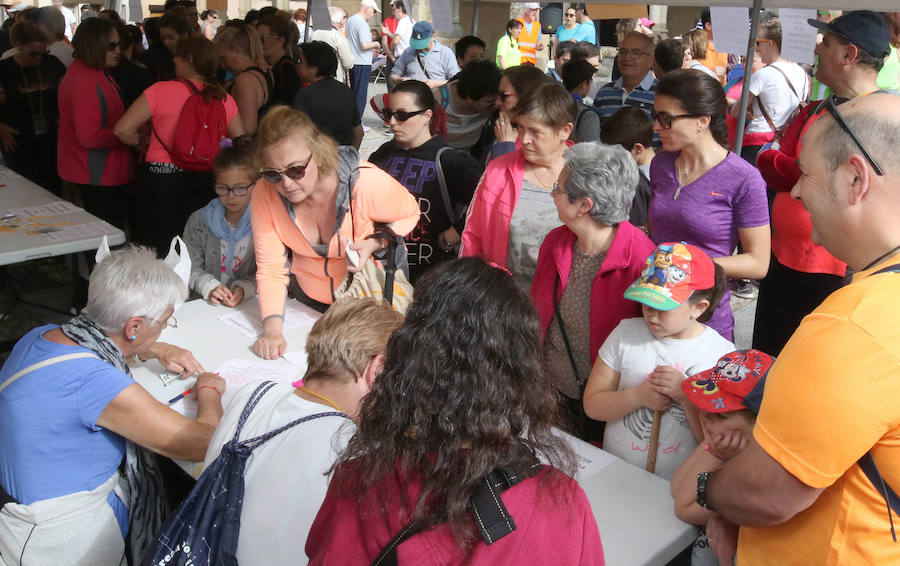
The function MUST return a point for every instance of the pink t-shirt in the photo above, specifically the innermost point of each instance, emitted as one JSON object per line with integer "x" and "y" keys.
{"x": 166, "y": 99}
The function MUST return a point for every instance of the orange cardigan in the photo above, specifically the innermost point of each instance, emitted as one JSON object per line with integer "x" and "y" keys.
{"x": 378, "y": 198}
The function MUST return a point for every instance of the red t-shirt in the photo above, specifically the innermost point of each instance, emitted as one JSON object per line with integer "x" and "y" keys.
{"x": 792, "y": 241}
{"x": 554, "y": 525}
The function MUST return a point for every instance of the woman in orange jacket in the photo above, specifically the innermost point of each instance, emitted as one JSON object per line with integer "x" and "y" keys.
{"x": 302, "y": 204}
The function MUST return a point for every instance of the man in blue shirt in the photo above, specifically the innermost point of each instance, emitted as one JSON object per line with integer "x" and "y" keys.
{"x": 425, "y": 59}
{"x": 585, "y": 30}
{"x": 359, "y": 35}
{"x": 637, "y": 85}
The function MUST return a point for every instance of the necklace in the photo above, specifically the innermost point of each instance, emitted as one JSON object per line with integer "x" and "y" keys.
{"x": 704, "y": 166}
{"x": 322, "y": 397}
{"x": 881, "y": 257}
{"x": 539, "y": 180}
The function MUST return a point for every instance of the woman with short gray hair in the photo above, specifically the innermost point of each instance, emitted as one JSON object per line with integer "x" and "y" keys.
{"x": 584, "y": 267}
{"x": 68, "y": 405}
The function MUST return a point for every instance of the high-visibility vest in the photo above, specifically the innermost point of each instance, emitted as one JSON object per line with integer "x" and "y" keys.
{"x": 528, "y": 41}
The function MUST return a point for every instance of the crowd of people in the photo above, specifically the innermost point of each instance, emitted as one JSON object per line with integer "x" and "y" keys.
{"x": 572, "y": 247}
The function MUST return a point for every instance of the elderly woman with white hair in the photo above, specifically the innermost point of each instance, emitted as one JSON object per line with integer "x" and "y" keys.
{"x": 68, "y": 404}
{"x": 335, "y": 38}
{"x": 584, "y": 267}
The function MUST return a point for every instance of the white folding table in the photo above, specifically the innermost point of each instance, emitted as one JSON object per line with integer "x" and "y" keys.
{"x": 633, "y": 509}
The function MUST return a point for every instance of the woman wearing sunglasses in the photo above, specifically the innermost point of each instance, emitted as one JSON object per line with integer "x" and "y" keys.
{"x": 218, "y": 236}
{"x": 701, "y": 193}
{"x": 498, "y": 135}
{"x": 421, "y": 162}
{"x": 776, "y": 91}
{"x": 167, "y": 194}
{"x": 313, "y": 202}
{"x": 513, "y": 208}
{"x": 89, "y": 107}
{"x": 30, "y": 79}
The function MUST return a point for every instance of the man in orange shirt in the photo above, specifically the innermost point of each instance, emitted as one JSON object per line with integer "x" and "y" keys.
{"x": 800, "y": 489}
{"x": 530, "y": 37}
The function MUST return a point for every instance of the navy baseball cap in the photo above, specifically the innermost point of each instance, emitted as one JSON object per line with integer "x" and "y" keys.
{"x": 866, "y": 29}
{"x": 421, "y": 35}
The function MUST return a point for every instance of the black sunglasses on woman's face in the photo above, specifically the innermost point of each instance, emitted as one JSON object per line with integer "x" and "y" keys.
{"x": 400, "y": 115}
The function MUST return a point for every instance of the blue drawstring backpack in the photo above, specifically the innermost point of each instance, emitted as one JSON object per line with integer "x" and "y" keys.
{"x": 204, "y": 529}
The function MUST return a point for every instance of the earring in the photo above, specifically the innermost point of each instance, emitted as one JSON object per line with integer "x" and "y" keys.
{"x": 132, "y": 337}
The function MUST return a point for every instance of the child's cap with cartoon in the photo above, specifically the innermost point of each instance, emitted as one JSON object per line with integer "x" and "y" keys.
{"x": 672, "y": 273}
{"x": 736, "y": 382}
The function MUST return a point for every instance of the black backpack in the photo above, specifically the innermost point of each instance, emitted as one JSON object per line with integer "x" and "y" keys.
{"x": 204, "y": 529}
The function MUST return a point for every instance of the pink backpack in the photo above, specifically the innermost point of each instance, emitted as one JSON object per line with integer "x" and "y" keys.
{"x": 201, "y": 129}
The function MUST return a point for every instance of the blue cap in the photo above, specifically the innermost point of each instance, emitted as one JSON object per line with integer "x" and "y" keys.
{"x": 421, "y": 35}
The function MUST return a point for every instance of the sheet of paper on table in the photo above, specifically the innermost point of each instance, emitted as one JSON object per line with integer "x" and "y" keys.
{"x": 238, "y": 373}
{"x": 50, "y": 209}
{"x": 590, "y": 458}
{"x": 79, "y": 231}
{"x": 246, "y": 320}
{"x": 8, "y": 174}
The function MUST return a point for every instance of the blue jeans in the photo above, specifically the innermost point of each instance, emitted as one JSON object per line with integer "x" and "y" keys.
{"x": 359, "y": 84}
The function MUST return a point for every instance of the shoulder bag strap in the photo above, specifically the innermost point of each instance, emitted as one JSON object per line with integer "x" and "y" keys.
{"x": 442, "y": 181}
{"x": 422, "y": 65}
{"x": 445, "y": 95}
{"x": 42, "y": 364}
{"x": 256, "y": 441}
{"x": 254, "y": 399}
{"x": 788, "y": 80}
{"x": 490, "y": 514}
{"x": 562, "y": 329}
{"x": 194, "y": 91}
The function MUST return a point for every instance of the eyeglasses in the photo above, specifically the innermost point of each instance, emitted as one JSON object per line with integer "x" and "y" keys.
{"x": 830, "y": 106}
{"x": 665, "y": 119}
{"x": 293, "y": 172}
{"x": 762, "y": 41}
{"x": 113, "y": 45}
{"x": 555, "y": 190}
{"x": 400, "y": 115}
{"x": 625, "y": 52}
{"x": 170, "y": 322}
{"x": 238, "y": 190}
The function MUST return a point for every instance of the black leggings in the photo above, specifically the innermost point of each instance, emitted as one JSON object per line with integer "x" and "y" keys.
{"x": 162, "y": 203}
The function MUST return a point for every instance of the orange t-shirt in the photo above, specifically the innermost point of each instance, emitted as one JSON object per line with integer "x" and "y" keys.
{"x": 166, "y": 99}
{"x": 715, "y": 59}
{"x": 830, "y": 397}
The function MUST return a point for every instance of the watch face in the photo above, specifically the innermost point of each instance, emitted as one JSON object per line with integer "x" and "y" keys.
{"x": 702, "y": 479}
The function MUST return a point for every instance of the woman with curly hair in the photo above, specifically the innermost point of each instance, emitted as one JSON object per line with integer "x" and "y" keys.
{"x": 449, "y": 409}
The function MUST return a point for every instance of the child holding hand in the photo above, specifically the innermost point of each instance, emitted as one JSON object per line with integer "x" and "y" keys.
{"x": 218, "y": 236}
{"x": 728, "y": 398}
{"x": 643, "y": 362}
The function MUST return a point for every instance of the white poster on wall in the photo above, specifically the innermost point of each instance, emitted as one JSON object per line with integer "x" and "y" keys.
{"x": 798, "y": 38}
{"x": 441, "y": 15}
{"x": 731, "y": 29}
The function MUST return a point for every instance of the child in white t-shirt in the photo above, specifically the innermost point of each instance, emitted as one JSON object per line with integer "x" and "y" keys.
{"x": 728, "y": 398}
{"x": 642, "y": 363}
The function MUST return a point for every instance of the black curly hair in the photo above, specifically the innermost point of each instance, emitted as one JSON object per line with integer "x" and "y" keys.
{"x": 462, "y": 392}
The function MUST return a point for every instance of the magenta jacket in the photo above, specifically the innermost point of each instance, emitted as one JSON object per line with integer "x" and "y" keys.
{"x": 621, "y": 267}
{"x": 88, "y": 152}
{"x": 487, "y": 222}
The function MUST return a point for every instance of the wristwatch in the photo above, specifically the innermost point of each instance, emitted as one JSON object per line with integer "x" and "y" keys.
{"x": 702, "y": 482}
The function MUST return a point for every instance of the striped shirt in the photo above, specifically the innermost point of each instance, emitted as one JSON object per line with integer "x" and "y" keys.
{"x": 612, "y": 97}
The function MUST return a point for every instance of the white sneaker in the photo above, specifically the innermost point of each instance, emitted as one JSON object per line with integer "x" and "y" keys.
{"x": 366, "y": 128}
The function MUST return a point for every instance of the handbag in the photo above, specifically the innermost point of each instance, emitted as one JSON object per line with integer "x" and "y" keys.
{"x": 386, "y": 283}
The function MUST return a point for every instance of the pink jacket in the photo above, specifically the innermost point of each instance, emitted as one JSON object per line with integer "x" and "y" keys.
{"x": 487, "y": 223}
{"x": 621, "y": 267}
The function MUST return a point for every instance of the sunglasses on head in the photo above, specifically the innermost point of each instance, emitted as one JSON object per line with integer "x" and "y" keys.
{"x": 292, "y": 172}
{"x": 400, "y": 115}
{"x": 839, "y": 118}
{"x": 665, "y": 119}
{"x": 238, "y": 190}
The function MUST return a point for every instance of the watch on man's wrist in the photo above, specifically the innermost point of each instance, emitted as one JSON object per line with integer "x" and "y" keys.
{"x": 702, "y": 483}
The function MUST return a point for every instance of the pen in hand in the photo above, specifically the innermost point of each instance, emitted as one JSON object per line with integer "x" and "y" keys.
{"x": 178, "y": 397}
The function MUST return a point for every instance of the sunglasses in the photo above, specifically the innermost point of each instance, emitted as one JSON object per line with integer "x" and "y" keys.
{"x": 36, "y": 53}
{"x": 832, "y": 109}
{"x": 570, "y": 15}
{"x": 400, "y": 115}
{"x": 665, "y": 119}
{"x": 292, "y": 172}
{"x": 238, "y": 190}
{"x": 503, "y": 95}
{"x": 625, "y": 52}
{"x": 763, "y": 41}
{"x": 113, "y": 45}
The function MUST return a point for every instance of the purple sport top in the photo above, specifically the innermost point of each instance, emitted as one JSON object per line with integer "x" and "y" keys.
{"x": 707, "y": 213}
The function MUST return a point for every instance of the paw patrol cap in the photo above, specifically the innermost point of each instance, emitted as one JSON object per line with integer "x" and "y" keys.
{"x": 736, "y": 382}
{"x": 672, "y": 273}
